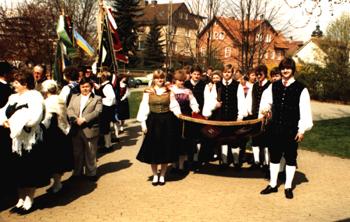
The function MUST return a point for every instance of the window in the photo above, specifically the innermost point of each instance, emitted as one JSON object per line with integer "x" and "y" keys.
{"x": 278, "y": 54}
{"x": 186, "y": 16}
{"x": 221, "y": 35}
{"x": 268, "y": 38}
{"x": 141, "y": 45}
{"x": 272, "y": 55}
{"x": 216, "y": 35}
{"x": 180, "y": 15}
{"x": 174, "y": 46}
{"x": 258, "y": 37}
{"x": 227, "y": 52}
{"x": 267, "y": 55}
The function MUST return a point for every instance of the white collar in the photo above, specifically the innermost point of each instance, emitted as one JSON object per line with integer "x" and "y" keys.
{"x": 193, "y": 82}
{"x": 228, "y": 82}
{"x": 3, "y": 81}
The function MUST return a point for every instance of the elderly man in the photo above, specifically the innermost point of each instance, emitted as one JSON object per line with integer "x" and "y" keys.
{"x": 39, "y": 77}
{"x": 83, "y": 113}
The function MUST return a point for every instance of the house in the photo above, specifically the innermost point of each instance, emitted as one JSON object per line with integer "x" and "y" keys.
{"x": 227, "y": 40}
{"x": 311, "y": 51}
{"x": 178, "y": 27}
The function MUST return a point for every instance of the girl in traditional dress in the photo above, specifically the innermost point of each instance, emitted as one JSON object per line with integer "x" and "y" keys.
{"x": 123, "y": 111}
{"x": 59, "y": 144}
{"x": 157, "y": 114}
{"x": 188, "y": 105}
{"x": 23, "y": 114}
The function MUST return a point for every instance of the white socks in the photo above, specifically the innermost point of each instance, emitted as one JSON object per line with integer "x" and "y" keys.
{"x": 155, "y": 179}
{"x": 224, "y": 150}
{"x": 116, "y": 130}
{"x": 267, "y": 156}
{"x": 20, "y": 203}
{"x": 161, "y": 179}
{"x": 290, "y": 171}
{"x": 28, "y": 202}
{"x": 108, "y": 142}
{"x": 235, "y": 153}
{"x": 196, "y": 154}
{"x": 274, "y": 168}
{"x": 256, "y": 153}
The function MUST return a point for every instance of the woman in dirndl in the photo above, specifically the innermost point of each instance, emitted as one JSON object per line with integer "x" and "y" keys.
{"x": 58, "y": 143}
{"x": 157, "y": 114}
{"x": 23, "y": 114}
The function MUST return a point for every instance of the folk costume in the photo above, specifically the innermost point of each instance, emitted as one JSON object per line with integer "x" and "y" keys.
{"x": 156, "y": 113}
{"x": 197, "y": 89}
{"x": 58, "y": 143}
{"x": 188, "y": 105}
{"x": 27, "y": 134}
{"x": 260, "y": 142}
{"x": 290, "y": 105}
{"x": 123, "y": 106}
{"x": 231, "y": 96}
{"x": 107, "y": 116}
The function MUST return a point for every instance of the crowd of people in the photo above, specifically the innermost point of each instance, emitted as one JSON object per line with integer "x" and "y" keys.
{"x": 47, "y": 129}
{"x": 224, "y": 95}
{"x": 69, "y": 124}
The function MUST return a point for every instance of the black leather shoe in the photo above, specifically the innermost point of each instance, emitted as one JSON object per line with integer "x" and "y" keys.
{"x": 23, "y": 211}
{"x": 269, "y": 190}
{"x": 92, "y": 178}
{"x": 288, "y": 193}
{"x": 161, "y": 183}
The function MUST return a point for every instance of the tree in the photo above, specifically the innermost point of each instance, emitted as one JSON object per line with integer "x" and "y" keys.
{"x": 253, "y": 38}
{"x": 154, "y": 56}
{"x": 126, "y": 11}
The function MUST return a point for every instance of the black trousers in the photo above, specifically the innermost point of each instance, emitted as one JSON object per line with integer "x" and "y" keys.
{"x": 283, "y": 143}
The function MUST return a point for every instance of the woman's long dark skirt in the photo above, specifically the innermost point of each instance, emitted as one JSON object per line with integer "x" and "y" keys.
{"x": 161, "y": 142}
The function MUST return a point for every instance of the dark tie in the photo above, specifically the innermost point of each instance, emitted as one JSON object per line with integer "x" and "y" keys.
{"x": 226, "y": 83}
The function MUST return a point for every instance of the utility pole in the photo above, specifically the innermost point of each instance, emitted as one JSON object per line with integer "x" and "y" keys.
{"x": 169, "y": 35}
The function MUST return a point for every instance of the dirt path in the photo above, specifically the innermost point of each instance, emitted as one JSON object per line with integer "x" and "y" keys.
{"x": 123, "y": 192}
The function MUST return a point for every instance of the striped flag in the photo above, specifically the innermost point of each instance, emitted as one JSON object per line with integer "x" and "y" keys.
{"x": 82, "y": 43}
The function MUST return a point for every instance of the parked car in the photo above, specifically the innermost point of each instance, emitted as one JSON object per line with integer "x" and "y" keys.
{"x": 134, "y": 83}
{"x": 145, "y": 80}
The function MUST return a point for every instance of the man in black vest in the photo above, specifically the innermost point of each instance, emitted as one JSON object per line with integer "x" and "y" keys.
{"x": 289, "y": 102}
{"x": 196, "y": 85}
{"x": 259, "y": 143}
{"x": 229, "y": 105}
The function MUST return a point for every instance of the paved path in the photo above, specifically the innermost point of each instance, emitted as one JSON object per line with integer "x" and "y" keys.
{"x": 124, "y": 192}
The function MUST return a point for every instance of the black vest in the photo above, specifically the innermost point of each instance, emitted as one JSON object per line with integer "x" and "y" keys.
{"x": 285, "y": 108}
{"x": 228, "y": 96}
{"x": 257, "y": 92}
{"x": 197, "y": 90}
{"x": 99, "y": 91}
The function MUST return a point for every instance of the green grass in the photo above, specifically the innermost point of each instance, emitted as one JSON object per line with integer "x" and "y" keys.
{"x": 134, "y": 102}
{"x": 329, "y": 137}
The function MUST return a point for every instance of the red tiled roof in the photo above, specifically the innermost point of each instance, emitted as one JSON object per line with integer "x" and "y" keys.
{"x": 160, "y": 11}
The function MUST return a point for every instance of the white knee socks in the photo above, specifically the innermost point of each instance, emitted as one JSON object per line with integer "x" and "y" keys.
{"x": 196, "y": 154}
{"x": 224, "y": 150}
{"x": 235, "y": 153}
{"x": 116, "y": 130}
{"x": 290, "y": 171}
{"x": 274, "y": 168}
{"x": 267, "y": 156}
{"x": 256, "y": 152}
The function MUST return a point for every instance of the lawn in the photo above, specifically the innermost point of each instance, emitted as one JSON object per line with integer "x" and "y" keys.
{"x": 329, "y": 137}
{"x": 134, "y": 102}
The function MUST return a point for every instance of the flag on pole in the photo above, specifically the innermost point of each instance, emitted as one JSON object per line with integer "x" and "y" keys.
{"x": 82, "y": 43}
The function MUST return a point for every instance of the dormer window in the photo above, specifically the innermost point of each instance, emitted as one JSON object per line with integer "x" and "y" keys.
{"x": 221, "y": 35}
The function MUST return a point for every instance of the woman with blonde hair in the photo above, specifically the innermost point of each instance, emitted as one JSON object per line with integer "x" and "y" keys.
{"x": 157, "y": 114}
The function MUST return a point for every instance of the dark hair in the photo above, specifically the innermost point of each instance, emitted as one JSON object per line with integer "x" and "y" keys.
{"x": 210, "y": 67}
{"x": 86, "y": 80}
{"x": 71, "y": 73}
{"x": 229, "y": 67}
{"x": 196, "y": 68}
{"x": 25, "y": 78}
{"x": 261, "y": 69}
{"x": 287, "y": 63}
{"x": 274, "y": 71}
{"x": 5, "y": 68}
{"x": 251, "y": 70}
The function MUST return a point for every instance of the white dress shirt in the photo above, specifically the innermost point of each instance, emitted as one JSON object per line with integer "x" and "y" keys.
{"x": 83, "y": 101}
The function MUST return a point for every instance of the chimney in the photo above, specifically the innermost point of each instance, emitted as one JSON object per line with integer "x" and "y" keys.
{"x": 154, "y": 2}
{"x": 146, "y": 2}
